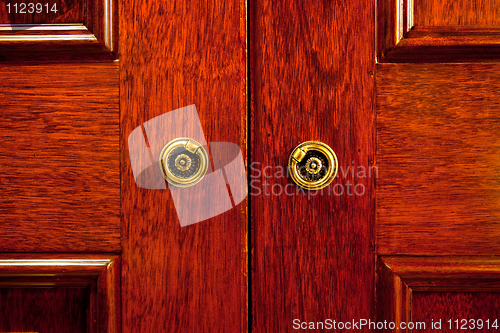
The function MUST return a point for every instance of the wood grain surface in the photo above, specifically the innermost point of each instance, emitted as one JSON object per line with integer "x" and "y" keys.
{"x": 438, "y": 146}
{"x": 59, "y": 158}
{"x": 97, "y": 274}
{"x": 404, "y": 36}
{"x": 175, "y": 54}
{"x": 393, "y": 296}
{"x": 79, "y": 31}
{"x": 68, "y": 11}
{"x": 445, "y": 273}
{"x": 50, "y": 310}
{"x": 446, "y": 45}
{"x": 312, "y": 79}
{"x": 424, "y": 289}
{"x": 459, "y": 12}
{"x": 54, "y": 52}
{"x": 472, "y": 310}
{"x": 392, "y": 23}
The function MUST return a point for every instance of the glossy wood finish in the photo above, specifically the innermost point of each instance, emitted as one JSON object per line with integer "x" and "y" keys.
{"x": 53, "y": 281}
{"x": 50, "y": 310}
{"x": 437, "y": 153}
{"x": 446, "y": 45}
{"x": 68, "y": 11}
{"x": 430, "y": 288}
{"x": 459, "y": 12}
{"x": 59, "y": 159}
{"x": 471, "y": 310}
{"x": 102, "y": 20}
{"x": 409, "y": 32}
{"x": 54, "y": 52}
{"x": 82, "y": 31}
{"x": 393, "y": 296}
{"x": 174, "y": 54}
{"x": 438, "y": 147}
{"x": 392, "y": 23}
{"x": 312, "y": 79}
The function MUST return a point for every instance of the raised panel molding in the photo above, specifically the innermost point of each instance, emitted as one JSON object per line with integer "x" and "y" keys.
{"x": 95, "y": 38}
{"x": 99, "y": 272}
{"x": 401, "y": 40}
{"x": 399, "y": 277}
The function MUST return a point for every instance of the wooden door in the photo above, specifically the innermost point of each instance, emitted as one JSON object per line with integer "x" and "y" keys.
{"x": 84, "y": 248}
{"x": 59, "y": 167}
{"x": 405, "y": 233}
{"x": 437, "y": 151}
{"x": 312, "y": 68}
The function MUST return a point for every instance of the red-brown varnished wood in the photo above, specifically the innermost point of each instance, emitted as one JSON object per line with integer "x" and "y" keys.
{"x": 102, "y": 20}
{"x": 467, "y": 311}
{"x": 445, "y": 273}
{"x": 54, "y": 265}
{"x": 390, "y": 27}
{"x": 312, "y": 79}
{"x": 458, "y": 12}
{"x": 84, "y": 32}
{"x": 393, "y": 296}
{"x": 108, "y": 298}
{"x": 98, "y": 274}
{"x": 404, "y": 37}
{"x": 59, "y": 158}
{"x": 426, "y": 289}
{"x": 446, "y": 44}
{"x": 438, "y": 146}
{"x": 55, "y": 52}
{"x": 67, "y": 11}
{"x": 175, "y": 54}
{"x": 50, "y": 310}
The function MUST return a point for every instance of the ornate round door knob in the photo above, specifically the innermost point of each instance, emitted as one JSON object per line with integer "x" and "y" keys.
{"x": 184, "y": 162}
{"x": 312, "y": 165}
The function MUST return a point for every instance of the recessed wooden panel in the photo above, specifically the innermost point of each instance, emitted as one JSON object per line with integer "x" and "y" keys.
{"x": 426, "y": 289}
{"x": 312, "y": 253}
{"x": 438, "y": 153}
{"x": 78, "y": 30}
{"x": 457, "y": 12}
{"x": 175, "y": 54}
{"x": 48, "y": 310}
{"x": 413, "y": 31}
{"x": 60, "y": 293}
{"x": 457, "y": 311}
{"x": 53, "y": 11}
{"x": 59, "y": 158}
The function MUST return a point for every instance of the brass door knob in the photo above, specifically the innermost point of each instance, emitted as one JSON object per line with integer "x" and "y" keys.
{"x": 184, "y": 162}
{"x": 312, "y": 165}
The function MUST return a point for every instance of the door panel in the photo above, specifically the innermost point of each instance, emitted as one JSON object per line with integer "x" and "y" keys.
{"x": 460, "y": 12}
{"x": 175, "y": 54}
{"x": 407, "y": 34}
{"x": 409, "y": 287}
{"x": 43, "y": 310}
{"x": 57, "y": 11}
{"x": 312, "y": 79}
{"x": 66, "y": 31}
{"x": 460, "y": 307}
{"x": 60, "y": 292}
{"x": 438, "y": 154}
{"x": 298, "y": 255}
{"x": 60, "y": 183}
{"x": 437, "y": 150}
{"x": 59, "y": 172}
